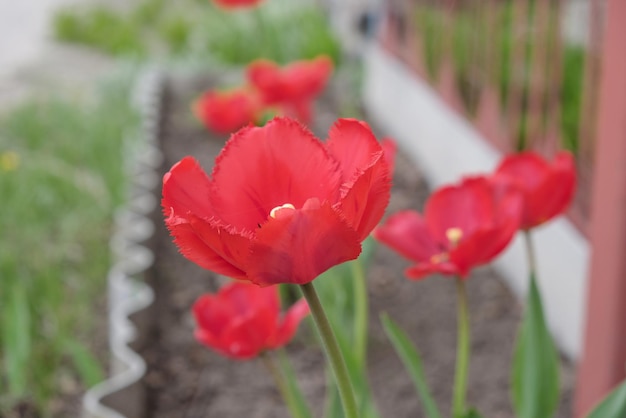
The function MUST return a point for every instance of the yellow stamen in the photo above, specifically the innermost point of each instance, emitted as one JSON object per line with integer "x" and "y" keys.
{"x": 281, "y": 207}
{"x": 454, "y": 235}
{"x": 439, "y": 258}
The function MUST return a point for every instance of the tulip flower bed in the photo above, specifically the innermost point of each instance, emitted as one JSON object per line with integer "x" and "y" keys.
{"x": 185, "y": 378}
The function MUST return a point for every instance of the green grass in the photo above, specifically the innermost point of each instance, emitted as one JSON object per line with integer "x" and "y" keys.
{"x": 190, "y": 28}
{"x": 58, "y": 194}
{"x": 572, "y": 95}
{"x": 466, "y": 39}
{"x": 101, "y": 28}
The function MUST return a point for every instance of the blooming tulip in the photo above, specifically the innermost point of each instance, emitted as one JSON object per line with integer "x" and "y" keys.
{"x": 292, "y": 88}
{"x": 547, "y": 188}
{"x": 237, "y": 4}
{"x": 280, "y": 205}
{"x": 391, "y": 149}
{"x": 463, "y": 226}
{"x": 226, "y": 111}
{"x": 242, "y": 320}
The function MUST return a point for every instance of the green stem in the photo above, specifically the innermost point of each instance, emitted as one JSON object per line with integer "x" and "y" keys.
{"x": 333, "y": 352}
{"x": 271, "y": 367}
{"x": 530, "y": 253}
{"x": 360, "y": 311}
{"x": 462, "y": 353}
{"x": 288, "y": 389}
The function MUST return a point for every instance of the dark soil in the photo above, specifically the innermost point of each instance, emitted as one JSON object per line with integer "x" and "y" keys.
{"x": 187, "y": 380}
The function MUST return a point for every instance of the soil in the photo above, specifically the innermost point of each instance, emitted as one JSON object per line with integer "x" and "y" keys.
{"x": 187, "y": 380}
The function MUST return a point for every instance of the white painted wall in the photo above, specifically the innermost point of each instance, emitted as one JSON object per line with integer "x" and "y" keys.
{"x": 445, "y": 146}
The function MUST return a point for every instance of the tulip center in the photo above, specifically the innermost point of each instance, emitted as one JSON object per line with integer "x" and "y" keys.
{"x": 454, "y": 235}
{"x": 285, "y": 208}
{"x": 439, "y": 258}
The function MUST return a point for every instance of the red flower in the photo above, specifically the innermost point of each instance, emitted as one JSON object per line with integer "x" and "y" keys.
{"x": 237, "y": 4}
{"x": 294, "y": 87}
{"x": 391, "y": 149}
{"x": 547, "y": 189}
{"x": 464, "y": 226}
{"x": 242, "y": 320}
{"x": 280, "y": 206}
{"x": 226, "y": 111}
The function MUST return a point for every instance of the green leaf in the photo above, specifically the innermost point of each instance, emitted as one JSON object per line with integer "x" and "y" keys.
{"x": 16, "y": 338}
{"x": 473, "y": 413}
{"x": 87, "y": 366}
{"x": 298, "y": 405}
{"x": 357, "y": 373}
{"x": 613, "y": 406}
{"x": 535, "y": 374}
{"x": 412, "y": 362}
{"x": 361, "y": 313}
{"x": 333, "y": 407}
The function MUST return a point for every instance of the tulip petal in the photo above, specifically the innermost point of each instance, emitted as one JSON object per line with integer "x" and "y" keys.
{"x": 354, "y": 145}
{"x": 423, "y": 270}
{"x": 297, "y": 248}
{"x": 262, "y": 168}
{"x": 213, "y": 312}
{"x": 391, "y": 149}
{"x": 226, "y": 111}
{"x": 289, "y": 324}
{"x": 407, "y": 233}
{"x": 211, "y": 315}
{"x": 548, "y": 188}
{"x": 186, "y": 188}
{"x": 191, "y": 240}
{"x": 367, "y": 182}
{"x": 254, "y": 320}
{"x": 365, "y": 203}
{"x": 467, "y": 206}
{"x": 265, "y": 76}
{"x": 554, "y": 195}
{"x": 485, "y": 243}
{"x": 243, "y": 339}
{"x": 299, "y": 81}
{"x": 527, "y": 166}
{"x": 239, "y": 321}
{"x": 302, "y": 110}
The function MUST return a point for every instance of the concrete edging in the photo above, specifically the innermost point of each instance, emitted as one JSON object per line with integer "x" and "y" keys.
{"x": 122, "y": 395}
{"x": 446, "y": 147}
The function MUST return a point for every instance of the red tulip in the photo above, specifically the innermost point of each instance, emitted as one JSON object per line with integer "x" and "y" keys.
{"x": 225, "y": 112}
{"x": 237, "y": 4}
{"x": 242, "y": 320}
{"x": 294, "y": 87}
{"x": 280, "y": 206}
{"x": 391, "y": 149}
{"x": 464, "y": 226}
{"x": 547, "y": 189}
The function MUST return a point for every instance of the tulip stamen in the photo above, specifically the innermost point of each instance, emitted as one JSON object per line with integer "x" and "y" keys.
{"x": 275, "y": 211}
{"x": 454, "y": 235}
{"x": 439, "y": 258}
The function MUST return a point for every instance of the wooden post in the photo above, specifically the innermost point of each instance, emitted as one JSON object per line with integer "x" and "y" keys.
{"x": 604, "y": 358}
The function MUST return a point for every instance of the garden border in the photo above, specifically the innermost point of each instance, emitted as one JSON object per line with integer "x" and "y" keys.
{"x": 121, "y": 395}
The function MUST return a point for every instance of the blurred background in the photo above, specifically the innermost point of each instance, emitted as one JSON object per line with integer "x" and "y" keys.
{"x": 524, "y": 74}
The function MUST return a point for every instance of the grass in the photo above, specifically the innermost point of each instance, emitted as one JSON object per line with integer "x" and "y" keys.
{"x": 61, "y": 176}
{"x": 198, "y": 29}
{"x": 482, "y": 53}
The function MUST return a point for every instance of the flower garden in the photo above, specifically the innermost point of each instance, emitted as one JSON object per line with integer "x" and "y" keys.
{"x": 299, "y": 262}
